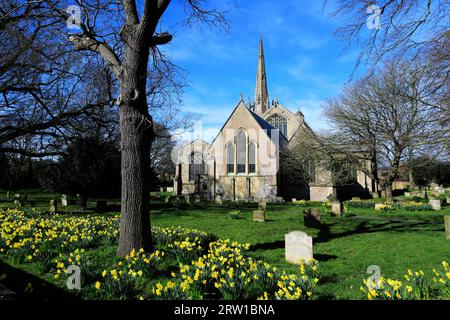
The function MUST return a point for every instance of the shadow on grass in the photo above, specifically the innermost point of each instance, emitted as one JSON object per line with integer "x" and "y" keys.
{"x": 367, "y": 226}
{"x": 28, "y": 286}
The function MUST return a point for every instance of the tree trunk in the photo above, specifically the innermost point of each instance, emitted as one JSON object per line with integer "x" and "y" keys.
{"x": 135, "y": 231}
{"x": 388, "y": 192}
{"x": 136, "y": 128}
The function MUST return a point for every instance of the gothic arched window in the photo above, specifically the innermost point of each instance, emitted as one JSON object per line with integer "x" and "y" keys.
{"x": 241, "y": 149}
{"x": 196, "y": 165}
{"x": 230, "y": 157}
{"x": 252, "y": 157}
{"x": 279, "y": 122}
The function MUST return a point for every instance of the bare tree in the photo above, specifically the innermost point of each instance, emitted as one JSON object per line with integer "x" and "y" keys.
{"x": 128, "y": 59}
{"x": 407, "y": 27}
{"x": 383, "y": 115}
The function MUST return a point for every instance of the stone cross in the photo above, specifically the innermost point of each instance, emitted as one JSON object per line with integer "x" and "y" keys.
{"x": 298, "y": 247}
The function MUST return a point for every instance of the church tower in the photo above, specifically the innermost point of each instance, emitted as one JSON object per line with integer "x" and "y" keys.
{"x": 261, "y": 94}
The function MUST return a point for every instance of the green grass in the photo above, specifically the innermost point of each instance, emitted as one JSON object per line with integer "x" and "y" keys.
{"x": 393, "y": 240}
{"x": 345, "y": 247}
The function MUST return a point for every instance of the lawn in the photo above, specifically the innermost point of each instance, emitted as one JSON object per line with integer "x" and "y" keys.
{"x": 395, "y": 241}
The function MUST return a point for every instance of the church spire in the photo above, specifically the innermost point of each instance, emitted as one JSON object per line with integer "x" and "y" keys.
{"x": 261, "y": 94}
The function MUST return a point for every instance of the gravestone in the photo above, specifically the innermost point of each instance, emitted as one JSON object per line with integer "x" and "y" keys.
{"x": 298, "y": 247}
{"x": 169, "y": 189}
{"x": 435, "y": 204}
{"x": 219, "y": 199}
{"x": 311, "y": 217}
{"x": 188, "y": 199}
{"x": 161, "y": 189}
{"x": 375, "y": 195}
{"x": 448, "y": 200}
{"x": 259, "y": 215}
{"x": 64, "y": 200}
{"x": 53, "y": 206}
{"x": 18, "y": 199}
{"x": 167, "y": 200}
{"x": 407, "y": 194}
{"x": 336, "y": 208}
{"x": 294, "y": 199}
{"x": 101, "y": 205}
{"x": 378, "y": 206}
{"x": 447, "y": 227}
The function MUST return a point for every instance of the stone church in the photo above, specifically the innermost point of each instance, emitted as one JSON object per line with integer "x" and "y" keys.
{"x": 242, "y": 163}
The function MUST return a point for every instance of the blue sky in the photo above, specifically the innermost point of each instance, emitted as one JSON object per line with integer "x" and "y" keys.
{"x": 305, "y": 62}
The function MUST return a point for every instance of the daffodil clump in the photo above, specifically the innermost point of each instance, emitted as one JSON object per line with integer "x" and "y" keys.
{"x": 415, "y": 286}
{"x": 441, "y": 280}
{"x": 228, "y": 272}
{"x": 234, "y": 214}
{"x": 129, "y": 276}
{"x": 164, "y": 236}
{"x": 28, "y": 238}
{"x": 413, "y": 206}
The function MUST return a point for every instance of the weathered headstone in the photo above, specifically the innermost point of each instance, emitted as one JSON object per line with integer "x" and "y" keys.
{"x": 298, "y": 247}
{"x": 379, "y": 206}
{"x": 311, "y": 217}
{"x": 435, "y": 204}
{"x": 447, "y": 227}
{"x": 53, "y": 206}
{"x": 167, "y": 200}
{"x": 336, "y": 208}
{"x": 161, "y": 189}
{"x": 407, "y": 194}
{"x": 64, "y": 200}
{"x": 294, "y": 199}
{"x": 101, "y": 205}
{"x": 259, "y": 215}
{"x": 219, "y": 199}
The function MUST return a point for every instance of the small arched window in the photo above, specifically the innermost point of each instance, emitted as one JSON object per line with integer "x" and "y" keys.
{"x": 241, "y": 149}
{"x": 230, "y": 157}
{"x": 196, "y": 165}
{"x": 252, "y": 157}
{"x": 279, "y": 122}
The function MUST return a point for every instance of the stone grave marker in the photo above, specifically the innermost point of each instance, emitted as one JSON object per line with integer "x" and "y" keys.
{"x": 407, "y": 194}
{"x": 294, "y": 199}
{"x": 298, "y": 247}
{"x": 53, "y": 206}
{"x": 378, "y": 206}
{"x": 64, "y": 200}
{"x": 447, "y": 227}
{"x": 259, "y": 215}
{"x": 167, "y": 200}
{"x": 311, "y": 217}
{"x": 448, "y": 200}
{"x": 435, "y": 204}
{"x": 336, "y": 208}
